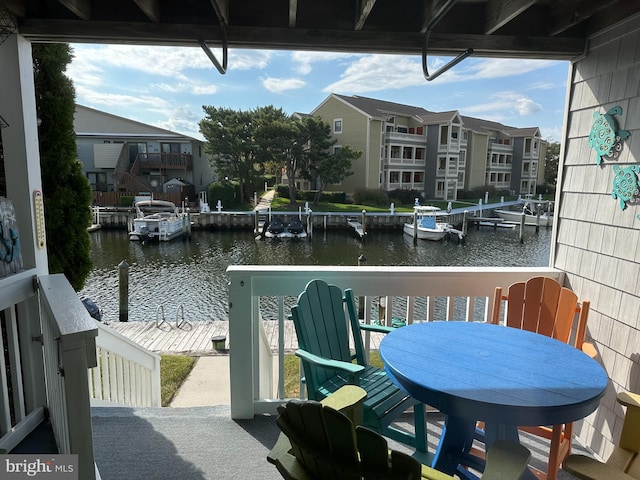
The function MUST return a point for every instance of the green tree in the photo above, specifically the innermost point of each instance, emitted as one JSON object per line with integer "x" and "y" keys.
{"x": 332, "y": 169}
{"x": 280, "y": 139}
{"x": 66, "y": 191}
{"x": 230, "y": 142}
{"x": 551, "y": 163}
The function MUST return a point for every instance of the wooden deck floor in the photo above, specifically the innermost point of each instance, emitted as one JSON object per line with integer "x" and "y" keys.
{"x": 195, "y": 338}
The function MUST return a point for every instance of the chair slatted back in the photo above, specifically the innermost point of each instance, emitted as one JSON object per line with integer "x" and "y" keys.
{"x": 543, "y": 306}
{"x": 322, "y": 329}
{"x": 325, "y": 443}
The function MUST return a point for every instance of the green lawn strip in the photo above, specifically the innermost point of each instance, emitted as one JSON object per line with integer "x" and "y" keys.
{"x": 174, "y": 369}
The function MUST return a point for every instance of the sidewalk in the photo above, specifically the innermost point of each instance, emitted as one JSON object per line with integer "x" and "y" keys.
{"x": 265, "y": 200}
{"x": 207, "y": 384}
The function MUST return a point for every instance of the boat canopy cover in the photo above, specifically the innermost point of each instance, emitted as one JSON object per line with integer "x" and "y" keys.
{"x": 428, "y": 222}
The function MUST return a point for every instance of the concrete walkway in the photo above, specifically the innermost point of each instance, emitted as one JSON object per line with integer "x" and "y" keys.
{"x": 265, "y": 200}
{"x": 207, "y": 384}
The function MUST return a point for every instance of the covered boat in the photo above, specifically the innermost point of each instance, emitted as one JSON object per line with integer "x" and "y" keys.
{"x": 158, "y": 220}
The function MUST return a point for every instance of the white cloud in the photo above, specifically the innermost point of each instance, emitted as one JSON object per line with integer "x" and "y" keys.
{"x": 371, "y": 73}
{"x": 195, "y": 88}
{"x": 90, "y": 97}
{"x": 183, "y": 120}
{"x": 303, "y": 61}
{"x": 504, "y": 105}
{"x": 279, "y": 85}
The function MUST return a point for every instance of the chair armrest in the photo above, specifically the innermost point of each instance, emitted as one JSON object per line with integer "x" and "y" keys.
{"x": 506, "y": 459}
{"x": 352, "y": 369}
{"x": 376, "y": 328}
{"x": 629, "y": 399}
{"x": 591, "y": 469}
{"x": 348, "y": 400}
{"x": 589, "y": 349}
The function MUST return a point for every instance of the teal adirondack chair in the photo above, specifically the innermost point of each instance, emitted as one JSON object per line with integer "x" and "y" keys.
{"x": 323, "y": 338}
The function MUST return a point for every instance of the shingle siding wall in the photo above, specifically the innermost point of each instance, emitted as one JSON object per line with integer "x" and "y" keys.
{"x": 597, "y": 243}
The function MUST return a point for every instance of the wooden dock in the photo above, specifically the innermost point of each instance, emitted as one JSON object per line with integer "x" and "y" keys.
{"x": 195, "y": 338}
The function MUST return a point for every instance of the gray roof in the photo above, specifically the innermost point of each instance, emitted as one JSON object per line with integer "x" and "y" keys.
{"x": 89, "y": 122}
{"x": 382, "y": 108}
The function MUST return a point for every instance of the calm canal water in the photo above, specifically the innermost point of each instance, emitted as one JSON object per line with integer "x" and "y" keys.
{"x": 192, "y": 273}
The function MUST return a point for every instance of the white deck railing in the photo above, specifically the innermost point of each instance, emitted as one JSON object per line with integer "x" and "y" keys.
{"x": 69, "y": 351}
{"x": 126, "y": 373}
{"x": 411, "y": 293}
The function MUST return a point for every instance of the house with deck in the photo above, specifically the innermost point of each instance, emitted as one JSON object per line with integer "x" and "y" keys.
{"x": 437, "y": 153}
{"x": 51, "y": 343}
{"x": 126, "y": 156}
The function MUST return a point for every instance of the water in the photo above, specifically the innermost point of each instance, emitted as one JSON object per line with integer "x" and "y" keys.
{"x": 192, "y": 273}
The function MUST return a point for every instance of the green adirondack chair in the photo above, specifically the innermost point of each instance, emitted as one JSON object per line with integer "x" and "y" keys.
{"x": 319, "y": 441}
{"x": 323, "y": 332}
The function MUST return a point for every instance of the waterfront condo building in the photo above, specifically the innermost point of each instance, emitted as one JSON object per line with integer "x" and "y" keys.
{"x": 436, "y": 153}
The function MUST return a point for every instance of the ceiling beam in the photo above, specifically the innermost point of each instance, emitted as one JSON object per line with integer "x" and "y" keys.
{"x": 433, "y": 9}
{"x": 501, "y": 12}
{"x": 72, "y": 31}
{"x": 151, "y": 8}
{"x": 80, "y": 8}
{"x": 293, "y": 13}
{"x": 221, "y": 8}
{"x": 365, "y": 9}
{"x": 563, "y": 15}
{"x": 16, "y": 7}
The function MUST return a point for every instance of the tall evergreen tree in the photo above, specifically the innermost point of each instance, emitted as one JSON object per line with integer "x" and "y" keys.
{"x": 66, "y": 191}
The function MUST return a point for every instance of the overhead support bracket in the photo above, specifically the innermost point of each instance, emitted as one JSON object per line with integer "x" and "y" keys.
{"x": 222, "y": 68}
{"x": 425, "y": 45}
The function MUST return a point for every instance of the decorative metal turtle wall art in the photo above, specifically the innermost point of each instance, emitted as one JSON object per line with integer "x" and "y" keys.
{"x": 626, "y": 186}
{"x": 605, "y": 138}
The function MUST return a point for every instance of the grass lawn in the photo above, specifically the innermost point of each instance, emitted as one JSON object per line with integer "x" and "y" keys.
{"x": 174, "y": 369}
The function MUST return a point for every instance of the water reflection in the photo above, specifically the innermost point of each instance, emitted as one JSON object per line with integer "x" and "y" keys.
{"x": 192, "y": 273}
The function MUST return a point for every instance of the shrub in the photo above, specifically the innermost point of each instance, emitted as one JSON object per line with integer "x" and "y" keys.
{"x": 223, "y": 191}
{"x": 405, "y": 196}
{"x": 125, "y": 201}
{"x": 370, "y": 196}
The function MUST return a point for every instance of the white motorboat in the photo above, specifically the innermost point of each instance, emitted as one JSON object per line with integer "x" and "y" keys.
{"x": 530, "y": 210}
{"x": 429, "y": 224}
{"x": 158, "y": 220}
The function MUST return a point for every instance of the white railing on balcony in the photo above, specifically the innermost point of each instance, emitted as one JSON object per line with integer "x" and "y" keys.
{"x": 22, "y": 392}
{"x": 69, "y": 335}
{"x": 412, "y": 293}
{"x": 126, "y": 373}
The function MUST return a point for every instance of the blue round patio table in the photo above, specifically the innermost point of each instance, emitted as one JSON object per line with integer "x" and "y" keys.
{"x": 504, "y": 376}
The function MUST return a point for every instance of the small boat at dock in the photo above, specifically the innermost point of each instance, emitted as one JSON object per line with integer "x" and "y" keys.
{"x": 429, "y": 223}
{"x": 158, "y": 220}
{"x": 531, "y": 210}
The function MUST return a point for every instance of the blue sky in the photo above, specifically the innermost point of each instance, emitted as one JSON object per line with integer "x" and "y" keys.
{"x": 167, "y": 86}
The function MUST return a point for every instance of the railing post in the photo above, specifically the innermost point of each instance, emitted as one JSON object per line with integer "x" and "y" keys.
{"x": 241, "y": 346}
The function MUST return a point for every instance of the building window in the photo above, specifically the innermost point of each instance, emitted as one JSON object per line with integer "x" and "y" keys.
{"x": 442, "y": 164}
{"x": 406, "y": 177}
{"x": 337, "y": 125}
{"x": 402, "y": 130}
{"x": 527, "y": 145}
{"x": 444, "y": 135}
{"x": 395, "y": 151}
{"x": 407, "y": 152}
{"x": 419, "y": 153}
{"x": 394, "y": 177}
{"x": 418, "y": 177}
{"x": 336, "y": 149}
